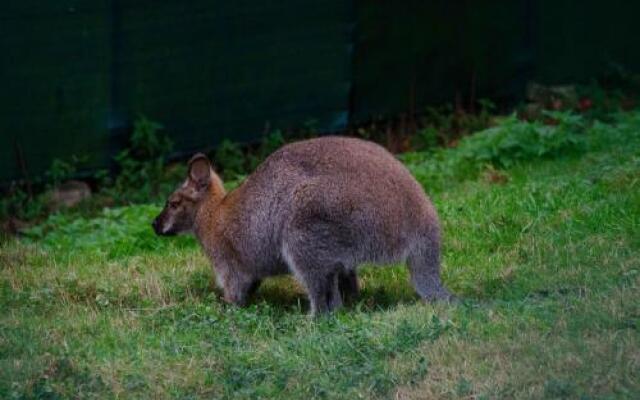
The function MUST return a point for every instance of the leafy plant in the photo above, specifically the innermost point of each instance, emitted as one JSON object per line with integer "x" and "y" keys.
{"x": 230, "y": 157}
{"x": 309, "y": 129}
{"x": 270, "y": 143}
{"x": 425, "y": 138}
{"x": 513, "y": 140}
{"x": 444, "y": 125}
{"x": 510, "y": 141}
{"x": 146, "y": 141}
{"x": 17, "y": 204}
{"x": 142, "y": 163}
{"x": 61, "y": 170}
{"x": 237, "y": 161}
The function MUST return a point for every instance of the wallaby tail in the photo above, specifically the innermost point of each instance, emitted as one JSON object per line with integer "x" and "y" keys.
{"x": 424, "y": 268}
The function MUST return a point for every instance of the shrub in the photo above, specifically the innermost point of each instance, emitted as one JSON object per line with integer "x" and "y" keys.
{"x": 25, "y": 206}
{"x": 141, "y": 165}
{"x": 510, "y": 141}
{"x": 237, "y": 161}
{"x": 444, "y": 125}
{"x": 514, "y": 140}
{"x": 18, "y": 204}
{"x": 269, "y": 143}
{"x": 230, "y": 157}
{"x": 62, "y": 170}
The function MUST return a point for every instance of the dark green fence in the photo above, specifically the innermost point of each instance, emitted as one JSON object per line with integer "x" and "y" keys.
{"x": 75, "y": 74}
{"x": 413, "y": 53}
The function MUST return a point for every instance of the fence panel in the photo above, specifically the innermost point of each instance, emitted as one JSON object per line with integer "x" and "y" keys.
{"x": 576, "y": 41}
{"x": 414, "y": 53}
{"x": 76, "y": 74}
{"x": 74, "y": 77}
{"x": 54, "y": 72}
{"x": 213, "y": 70}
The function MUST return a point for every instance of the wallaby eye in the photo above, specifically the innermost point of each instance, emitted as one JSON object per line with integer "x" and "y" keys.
{"x": 174, "y": 204}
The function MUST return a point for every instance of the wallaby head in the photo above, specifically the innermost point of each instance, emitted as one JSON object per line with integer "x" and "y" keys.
{"x": 179, "y": 213}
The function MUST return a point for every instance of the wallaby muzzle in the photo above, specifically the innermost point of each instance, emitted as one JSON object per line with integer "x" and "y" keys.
{"x": 157, "y": 227}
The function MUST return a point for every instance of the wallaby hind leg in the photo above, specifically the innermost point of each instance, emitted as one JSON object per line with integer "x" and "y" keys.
{"x": 334, "y": 296}
{"x": 255, "y": 285}
{"x": 424, "y": 268}
{"x": 348, "y": 285}
{"x": 319, "y": 278}
{"x": 322, "y": 289}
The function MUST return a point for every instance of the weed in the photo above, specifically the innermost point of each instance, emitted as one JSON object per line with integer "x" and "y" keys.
{"x": 513, "y": 140}
{"x": 18, "y": 204}
{"x": 141, "y": 165}
{"x": 509, "y": 142}
{"x": 425, "y": 138}
{"x": 61, "y": 170}
{"x": 237, "y": 161}
{"x": 448, "y": 125}
{"x": 270, "y": 143}
{"x": 231, "y": 158}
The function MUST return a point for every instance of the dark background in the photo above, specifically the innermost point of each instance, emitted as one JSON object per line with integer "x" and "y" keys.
{"x": 75, "y": 74}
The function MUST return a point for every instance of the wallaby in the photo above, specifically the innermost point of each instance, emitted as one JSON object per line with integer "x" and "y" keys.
{"x": 317, "y": 208}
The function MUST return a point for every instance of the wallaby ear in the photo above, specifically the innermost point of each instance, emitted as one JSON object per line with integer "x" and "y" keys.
{"x": 200, "y": 170}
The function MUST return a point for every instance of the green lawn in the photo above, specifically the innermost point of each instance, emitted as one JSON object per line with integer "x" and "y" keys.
{"x": 545, "y": 254}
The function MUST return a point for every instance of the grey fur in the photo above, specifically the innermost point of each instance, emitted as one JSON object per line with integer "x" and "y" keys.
{"x": 317, "y": 208}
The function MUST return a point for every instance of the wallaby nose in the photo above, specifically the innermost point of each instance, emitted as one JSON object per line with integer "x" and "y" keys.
{"x": 155, "y": 226}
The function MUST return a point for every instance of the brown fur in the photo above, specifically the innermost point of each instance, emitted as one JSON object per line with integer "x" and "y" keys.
{"x": 316, "y": 208}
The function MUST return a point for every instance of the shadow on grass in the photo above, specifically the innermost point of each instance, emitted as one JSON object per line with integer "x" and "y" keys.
{"x": 379, "y": 290}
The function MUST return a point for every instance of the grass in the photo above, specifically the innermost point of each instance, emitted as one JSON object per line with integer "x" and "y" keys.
{"x": 545, "y": 254}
